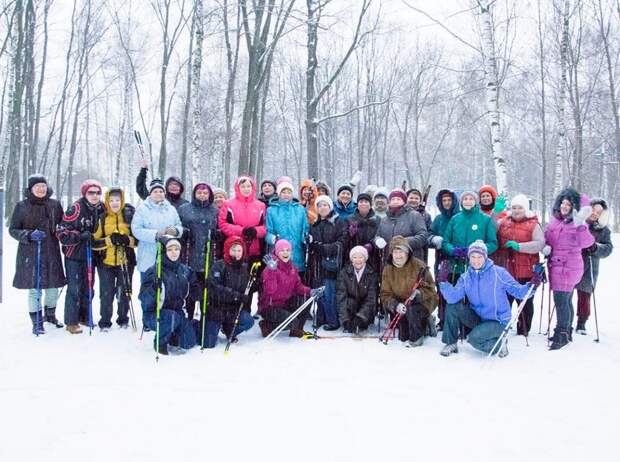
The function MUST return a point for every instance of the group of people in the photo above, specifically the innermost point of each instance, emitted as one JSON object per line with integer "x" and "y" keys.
{"x": 359, "y": 258}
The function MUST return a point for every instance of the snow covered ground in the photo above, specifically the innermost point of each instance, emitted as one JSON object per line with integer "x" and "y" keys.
{"x": 103, "y": 397}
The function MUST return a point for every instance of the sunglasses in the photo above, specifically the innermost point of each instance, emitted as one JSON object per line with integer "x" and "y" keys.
{"x": 93, "y": 193}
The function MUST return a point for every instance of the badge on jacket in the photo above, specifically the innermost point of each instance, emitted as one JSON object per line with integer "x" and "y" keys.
{"x": 474, "y": 227}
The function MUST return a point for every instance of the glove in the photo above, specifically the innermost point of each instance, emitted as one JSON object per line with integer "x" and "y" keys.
{"x": 436, "y": 242}
{"x": 546, "y": 251}
{"x": 401, "y": 308}
{"x": 500, "y": 204}
{"x": 171, "y": 231}
{"x": 415, "y": 295}
{"x": 249, "y": 233}
{"x": 85, "y": 236}
{"x": 444, "y": 272}
{"x": 536, "y": 280}
{"x": 318, "y": 292}
{"x": 380, "y": 243}
{"x": 269, "y": 262}
{"x": 590, "y": 250}
{"x": 37, "y": 235}
{"x": 581, "y": 216}
{"x": 310, "y": 239}
{"x": 119, "y": 239}
{"x": 353, "y": 229}
{"x": 459, "y": 252}
{"x": 513, "y": 245}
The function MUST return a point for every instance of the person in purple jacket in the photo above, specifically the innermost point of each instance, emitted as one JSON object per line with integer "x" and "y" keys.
{"x": 485, "y": 285}
{"x": 566, "y": 235}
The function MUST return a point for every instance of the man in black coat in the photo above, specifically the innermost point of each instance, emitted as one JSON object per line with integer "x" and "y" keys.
{"x": 33, "y": 224}
{"x": 75, "y": 233}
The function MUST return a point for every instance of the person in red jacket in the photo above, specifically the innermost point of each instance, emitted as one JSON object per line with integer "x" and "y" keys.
{"x": 520, "y": 238}
{"x": 281, "y": 287}
{"x": 244, "y": 216}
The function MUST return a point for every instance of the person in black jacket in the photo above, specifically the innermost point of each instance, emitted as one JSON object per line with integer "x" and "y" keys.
{"x": 326, "y": 259}
{"x": 174, "y": 187}
{"x": 227, "y": 282}
{"x": 34, "y": 221}
{"x": 176, "y": 332}
{"x": 75, "y": 233}
{"x": 199, "y": 220}
{"x": 361, "y": 229}
{"x": 356, "y": 292}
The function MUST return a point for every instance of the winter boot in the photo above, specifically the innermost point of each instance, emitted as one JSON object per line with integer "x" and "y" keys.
{"x": 37, "y": 323}
{"x": 296, "y": 332}
{"x": 176, "y": 350}
{"x": 449, "y": 349}
{"x": 560, "y": 339}
{"x": 415, "y": 343}
{"x": 581, "y": 326}
{"x": 265, "y": 328}
{"x": 163, "y": 349}
{"x": 74, "y": 329}
{"x": 432, "y": 326}
{"x": 503, "y": 352}
{"x": 50, "y": 316}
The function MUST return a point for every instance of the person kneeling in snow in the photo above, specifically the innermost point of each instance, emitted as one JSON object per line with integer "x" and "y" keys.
{"x": 281, "y": 287}
{"x": 176, "y": 333}
{"x": 485, "y": 286}
{"x": 228, "y": 279}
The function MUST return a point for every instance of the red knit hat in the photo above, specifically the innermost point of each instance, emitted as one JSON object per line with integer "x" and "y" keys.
{"x": 398, "y": 193}
{"x": 228, "y": 243}
{"x": 89, "y": 184}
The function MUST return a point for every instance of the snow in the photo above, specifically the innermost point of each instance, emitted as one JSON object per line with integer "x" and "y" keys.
{"x": 103, "y": 397}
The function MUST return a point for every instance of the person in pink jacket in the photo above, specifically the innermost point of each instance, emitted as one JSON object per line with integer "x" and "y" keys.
{"x": 566, "y": 234}
{"x": 244, "y": 216}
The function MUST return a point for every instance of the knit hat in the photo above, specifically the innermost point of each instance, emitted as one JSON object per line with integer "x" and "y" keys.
{"x": 230, "y": 242}
{"x": 89, "y": 184}
{"x": 325, "y": 199}
{"x": 381, "y": 192}
{"x": 400, "y": 242}
{"x": 170, "y": 241}
{"x": 271, "y": 182}
{"x": 521, "y": 200}
{"x": 284, "y": 185}
{"x": 398, "y": 193}
{"x": 478, "y": 247}
{"x": 35, "y": 178}
{"x": 281, "y": 245}
{"x": 364, "y": 197}
{"x": 156, "y": 183}
{"x": 201, "y": 186}
{"x": 345, "y": 187}
{"x": 468, "y": 193}
{"x": 219, "y": 191}
{"x": 359, "y": 250}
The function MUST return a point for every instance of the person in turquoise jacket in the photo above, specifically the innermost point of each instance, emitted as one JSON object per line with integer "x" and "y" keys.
{"x": 287, "y": 219}
{"x": 467, "y": 226}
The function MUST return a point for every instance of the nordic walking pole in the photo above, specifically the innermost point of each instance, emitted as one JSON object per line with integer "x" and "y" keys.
{"x": 203, "y": 306}
{"x": 246, "y": 292}
{"x": 138, "y": 137}
{"x": 542, "y": 307}
{"x": 597, "y": 339}
{"x": 90, "y": 279}
{"x": 157, "y": 300}
{"x": 38, "y": 284}
{"x": 128, "y": 290}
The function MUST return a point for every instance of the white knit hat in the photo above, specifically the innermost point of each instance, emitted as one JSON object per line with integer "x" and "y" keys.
{"x": 325, "y": 199}
{"x": 284, "y": 185}
{"x": 359, "y": 250}
{"x": 522, "y": 200}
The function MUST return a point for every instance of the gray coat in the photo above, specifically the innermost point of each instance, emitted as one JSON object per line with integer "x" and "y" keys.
{"x": 591, "y": 258}
{"x": 409, "y": 224}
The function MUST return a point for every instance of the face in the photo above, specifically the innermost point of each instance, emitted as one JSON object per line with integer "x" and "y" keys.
{"x": 486, "y": 198}
{"x": 344, "y": 196}
{"x": 93, "y": 195}
{"x": 173, "y": 252}
{"x": 284, "y": 254}
{"x": 358, "y": 261}
{"x": 268, "y": 189}
{"x": 476, "y": 261}
{"x": 286, "y": 194}
{"x": 236, "y": 252}
{"x": 518, "y": 212}
{"x": 115, "y": 202}
{"x": 363, "y": 207}
{"x": 396, "y": 202}
{"x": 399, "y": 256}
{"x": 307, "y": 193}
{"x": 39, "y": 190}
{"x": 322, "y": 192}
{"x": 381, "y": 204}
{"x": 174, "y": 187}
{"x": 446, "y": 202}
{"x": 566, "y": 208}
{"x": 468, "y": 202}
{"x": 202, "y": 194}
{"x": 324, "y": 209}
{"x": 413, "y": 199}
{"x": 597, "y": 211}
{"x": 246, "y": 188}
{"x": 157, "y": 195}
{"x": 218, "y": 199}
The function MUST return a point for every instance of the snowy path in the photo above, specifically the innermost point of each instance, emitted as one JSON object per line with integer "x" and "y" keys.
{"x": 103, "y": 398}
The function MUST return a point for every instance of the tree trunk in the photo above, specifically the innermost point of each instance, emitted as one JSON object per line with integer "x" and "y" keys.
{"x": 561, "y": 148}
{"x": 197, "y": 149}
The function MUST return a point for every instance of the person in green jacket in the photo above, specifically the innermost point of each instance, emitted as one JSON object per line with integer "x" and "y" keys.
{"x": 467, "y": 226}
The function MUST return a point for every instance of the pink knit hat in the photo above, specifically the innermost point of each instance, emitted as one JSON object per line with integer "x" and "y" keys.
{"x": 281, "y": 244}
{"x": 89, "y": 184}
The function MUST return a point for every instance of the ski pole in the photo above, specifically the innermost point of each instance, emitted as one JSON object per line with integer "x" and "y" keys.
{"x": 203, "y": 306}
{"x": 157, "y": 300}
{"x": 597, "y": 339}
{"x": 290, "y": 319}
{"x": 138, "y": 137}
{"x": 127, "y": 290}
{"x": 542, "y": 307}
{"x": 90, "y": 279}
{"x": 39, "y": 316}
{"x": 253, "y": 271}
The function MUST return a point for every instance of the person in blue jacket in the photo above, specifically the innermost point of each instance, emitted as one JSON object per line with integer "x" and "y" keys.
{"x": 287, "y": 219}
{"x": 485, "y": 285}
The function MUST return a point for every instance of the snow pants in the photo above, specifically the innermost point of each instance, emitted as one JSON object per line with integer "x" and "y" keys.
{"x": 212, "y": 329}
{"x": 174, "y": 328}
{"x": 110, "y": 287}
{"x": 483, "y": 335}
{"x": 76, "y": 299}
{"x": 413, "y": 324}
